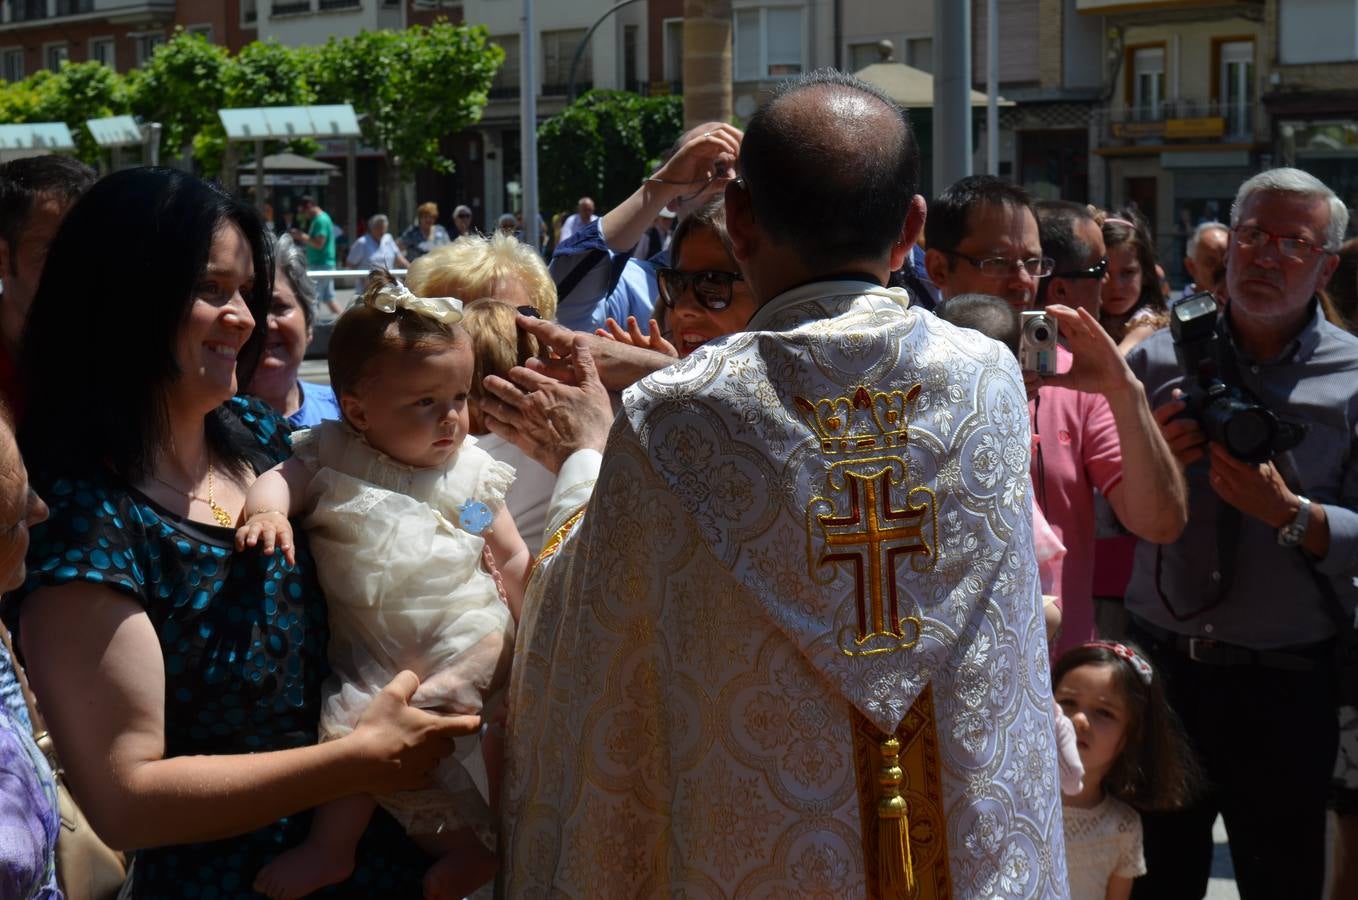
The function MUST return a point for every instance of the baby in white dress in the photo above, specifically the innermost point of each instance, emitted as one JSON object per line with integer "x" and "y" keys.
{"x": 400, "y": 507}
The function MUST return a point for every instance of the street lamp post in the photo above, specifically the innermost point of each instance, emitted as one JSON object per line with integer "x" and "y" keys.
{"x": 584, "y": 42}
{"x": 528, "y": 128}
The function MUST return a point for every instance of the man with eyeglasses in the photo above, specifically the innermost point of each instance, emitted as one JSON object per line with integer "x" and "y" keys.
{"x": 1242, "y": 611}
{"x": 1091, "y": 426}
{"x": 803, "y": 576}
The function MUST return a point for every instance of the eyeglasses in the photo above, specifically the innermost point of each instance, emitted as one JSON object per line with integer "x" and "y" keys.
{"x": 464, "y": 215}
{"x": 1295, "y": 249}
{"x": 1098, "y": 270}
{"x": 529, "y": 311}
{"x": 1003, "y": 266}
{"x": 712, "y": 289}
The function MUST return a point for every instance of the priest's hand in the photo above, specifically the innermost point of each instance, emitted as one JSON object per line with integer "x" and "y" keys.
{"x": 550, "y": 419}
{"x": 619, "y": 365}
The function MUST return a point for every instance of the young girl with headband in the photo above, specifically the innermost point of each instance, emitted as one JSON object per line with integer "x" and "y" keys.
{"x": 400, "y": 506}
{"x": 1135, "y": 760}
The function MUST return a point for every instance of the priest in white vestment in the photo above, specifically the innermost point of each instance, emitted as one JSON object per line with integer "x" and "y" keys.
{"x": 790, "y": 642}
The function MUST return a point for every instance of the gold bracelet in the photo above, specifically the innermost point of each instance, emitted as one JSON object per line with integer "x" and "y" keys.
{"x": 261, "y": 512}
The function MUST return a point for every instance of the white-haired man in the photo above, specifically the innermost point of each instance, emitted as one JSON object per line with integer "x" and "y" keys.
{"x": 1241, "y": 612}
{"x": 377, "y": 249}
{"x": 1205, "y": 261}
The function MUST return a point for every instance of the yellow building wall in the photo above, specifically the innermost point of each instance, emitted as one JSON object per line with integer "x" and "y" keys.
{"x": 1188, "y": 56}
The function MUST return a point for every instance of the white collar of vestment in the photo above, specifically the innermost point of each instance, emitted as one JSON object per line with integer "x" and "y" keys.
{"x": 843, "y": 291}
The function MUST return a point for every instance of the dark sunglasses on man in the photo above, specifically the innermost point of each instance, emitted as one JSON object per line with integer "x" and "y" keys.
{"x": 1095, "y": 271}
{"x": 712, "y": 289}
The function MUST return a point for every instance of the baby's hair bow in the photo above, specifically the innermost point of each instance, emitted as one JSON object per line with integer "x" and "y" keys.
{"x": 447, "y": 310}
{"x": 1127, "y": 655}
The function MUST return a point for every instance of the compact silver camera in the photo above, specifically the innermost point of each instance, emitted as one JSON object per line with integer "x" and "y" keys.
{"x": 1037, "y": 343}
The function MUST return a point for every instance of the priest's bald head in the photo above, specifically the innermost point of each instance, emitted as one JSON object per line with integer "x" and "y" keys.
{"x": 829, "y": 180}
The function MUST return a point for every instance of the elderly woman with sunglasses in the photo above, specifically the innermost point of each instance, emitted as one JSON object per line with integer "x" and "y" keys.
{"x": 703, "y": 294}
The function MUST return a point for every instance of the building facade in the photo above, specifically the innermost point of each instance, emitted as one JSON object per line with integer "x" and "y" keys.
{"x": 41, "y": 34}
{"x": 1182, "y": 124}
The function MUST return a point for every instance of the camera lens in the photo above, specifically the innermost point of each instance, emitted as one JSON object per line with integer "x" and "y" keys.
{"x": 1041, "y": 334}
{"x": 1246, "y": 429}
{"x": 1249, "y": 434}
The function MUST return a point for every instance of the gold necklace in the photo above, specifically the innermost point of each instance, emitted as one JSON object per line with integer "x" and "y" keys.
{"x": 221, "y": 515}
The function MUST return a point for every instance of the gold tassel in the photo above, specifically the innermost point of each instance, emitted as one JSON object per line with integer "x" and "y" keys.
{"x": 895, "y": 872}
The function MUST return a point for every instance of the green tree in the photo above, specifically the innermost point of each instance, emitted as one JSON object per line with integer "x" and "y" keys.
{"x": 20, "y": 100}
{"x": 603, "y": 145}
{"x": 181, "y": 86}
{"x": 412, "y": 88}
{"x": 265, "y": 73}
{"x": 77, "y": 93}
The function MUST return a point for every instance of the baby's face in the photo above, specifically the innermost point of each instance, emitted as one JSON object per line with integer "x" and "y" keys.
{"x": 413, "y": 405}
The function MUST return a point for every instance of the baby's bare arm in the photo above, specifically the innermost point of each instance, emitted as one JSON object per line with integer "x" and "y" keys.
{"x": 512, "y": 557}
{"x": 273, "y": 497}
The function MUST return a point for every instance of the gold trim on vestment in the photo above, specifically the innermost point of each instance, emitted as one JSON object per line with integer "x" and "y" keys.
{"x": 901, "y": 806}
{"x": 554, "y": 543}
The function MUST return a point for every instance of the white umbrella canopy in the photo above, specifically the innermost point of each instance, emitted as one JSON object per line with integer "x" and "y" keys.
{"x": 910, "y": 87}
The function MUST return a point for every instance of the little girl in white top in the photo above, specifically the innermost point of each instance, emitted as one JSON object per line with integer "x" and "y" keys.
{"x": 1135, "y": 760}
{"x": 400, "y": 507}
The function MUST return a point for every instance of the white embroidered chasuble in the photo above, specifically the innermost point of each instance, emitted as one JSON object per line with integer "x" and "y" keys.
{"x": 804, "y": 538}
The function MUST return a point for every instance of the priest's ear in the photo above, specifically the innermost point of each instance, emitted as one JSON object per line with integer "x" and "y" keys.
{"x": 910, "y": 232}
{"x": 740, "y": 224}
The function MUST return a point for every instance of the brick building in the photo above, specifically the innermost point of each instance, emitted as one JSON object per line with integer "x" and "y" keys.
{"x": 40, "y": 34}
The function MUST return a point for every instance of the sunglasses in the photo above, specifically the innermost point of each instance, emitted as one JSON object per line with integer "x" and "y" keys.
{"x": 529, "y": 311}
{"x": 1095, "y": 271}
{"x": 712, "y": 289}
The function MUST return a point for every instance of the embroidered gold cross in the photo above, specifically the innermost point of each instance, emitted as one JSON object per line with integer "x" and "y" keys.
{"x": 874, "y": 533}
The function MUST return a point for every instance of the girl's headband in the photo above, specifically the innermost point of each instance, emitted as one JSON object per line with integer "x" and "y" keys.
{"x": 1128, "y": 655}
{"x": 447, "y": 310}
{"x": 1114, "y": 220}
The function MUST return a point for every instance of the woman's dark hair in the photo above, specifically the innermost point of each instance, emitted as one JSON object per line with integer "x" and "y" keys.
{"x": 364, "y": 332}
{"x": 117, "y": 287}
{"x": 1125, "y": 228}
{"x": 710, "y": 217}
{"x": 1156, "y": 770}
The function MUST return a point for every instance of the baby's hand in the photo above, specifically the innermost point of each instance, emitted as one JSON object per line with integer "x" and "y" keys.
{"x": 271, "y": 527}
{"x": 633, "y": 336}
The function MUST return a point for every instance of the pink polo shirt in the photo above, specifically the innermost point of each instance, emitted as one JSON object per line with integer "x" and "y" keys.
{"x": 1076, "y": 450}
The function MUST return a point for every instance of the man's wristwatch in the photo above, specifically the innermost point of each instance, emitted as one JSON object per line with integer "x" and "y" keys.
{"x": 1294, "y": 532}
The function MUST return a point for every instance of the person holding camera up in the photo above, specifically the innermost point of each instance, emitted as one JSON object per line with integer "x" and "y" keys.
{"x": 1240, "y": 613}
{"x": 1091, "y": 425}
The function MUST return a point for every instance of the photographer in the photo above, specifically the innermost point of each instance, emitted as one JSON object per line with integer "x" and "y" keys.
{"x": 1240, "y": 613}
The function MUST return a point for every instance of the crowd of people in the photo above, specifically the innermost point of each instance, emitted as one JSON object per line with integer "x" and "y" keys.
{"x": 928, "y": 549}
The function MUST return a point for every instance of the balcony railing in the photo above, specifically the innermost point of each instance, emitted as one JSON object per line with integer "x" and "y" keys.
{"x": 27, "y": 10}
{"x": 1119, "y": 6}
{"x": 1181, "y": 120}
{"x": 293, "y": 8}
{"x": 74, "y": 7}
{"x": 327, "y": 5}
{"x": 503, "y": 92}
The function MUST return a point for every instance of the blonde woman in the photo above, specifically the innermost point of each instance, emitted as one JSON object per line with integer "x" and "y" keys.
{"x": 497, "y": 266}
